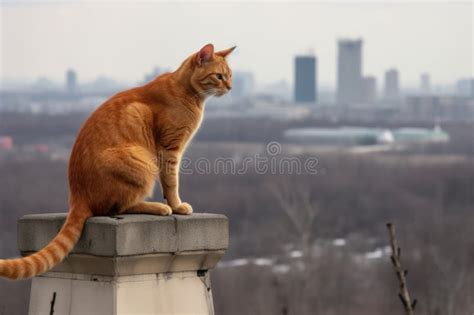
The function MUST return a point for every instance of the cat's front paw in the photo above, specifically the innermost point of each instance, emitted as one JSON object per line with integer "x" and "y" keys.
{"x": 183, "y": 208}
{"x": 167, "y": 211}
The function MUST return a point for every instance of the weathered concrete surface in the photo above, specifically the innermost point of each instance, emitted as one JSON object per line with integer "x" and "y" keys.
{"x": 140, "y": 264}
{"x": 128, "y": 235}
{"x": 176, "y": 293}
{"x": 128, "y": 264}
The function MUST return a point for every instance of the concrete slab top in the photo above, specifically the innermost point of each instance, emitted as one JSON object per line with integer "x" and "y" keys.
{"x": 126, "y": 235}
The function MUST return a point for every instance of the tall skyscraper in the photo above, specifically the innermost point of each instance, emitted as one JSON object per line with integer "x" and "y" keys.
{"x": 349, "y": 71}
{"x": 425, "y": 84}
{"x": 306, "y": 79}
{"x": 370, "y": 89}
{"x": 71, "y": 81}
{"x": 392, "y": 85}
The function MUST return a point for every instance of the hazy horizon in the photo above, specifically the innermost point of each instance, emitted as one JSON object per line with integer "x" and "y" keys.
{"x": 125, "y": 40}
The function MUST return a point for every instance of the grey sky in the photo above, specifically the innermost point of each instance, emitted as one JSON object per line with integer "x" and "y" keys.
{"x": 124, "y": 40}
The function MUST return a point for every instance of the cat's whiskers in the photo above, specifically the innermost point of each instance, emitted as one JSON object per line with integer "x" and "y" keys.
{"x": 228, "y": 96}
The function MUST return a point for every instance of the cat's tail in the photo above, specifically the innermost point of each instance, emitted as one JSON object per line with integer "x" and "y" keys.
{"x": 53, "y": 253}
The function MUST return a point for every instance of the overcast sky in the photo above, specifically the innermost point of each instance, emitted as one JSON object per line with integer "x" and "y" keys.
{"x": 125, "y": 40}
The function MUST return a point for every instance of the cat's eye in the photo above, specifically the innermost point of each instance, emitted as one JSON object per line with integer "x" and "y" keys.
{"x": 219, "y": 76}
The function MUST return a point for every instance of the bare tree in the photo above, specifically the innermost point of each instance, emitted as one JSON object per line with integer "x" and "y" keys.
{"x": 295, "y": 201}
{"x": 401, "y": 274}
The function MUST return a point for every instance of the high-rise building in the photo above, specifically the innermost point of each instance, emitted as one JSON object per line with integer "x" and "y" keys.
{"x": 370, "y": 89}
{"x": 305, "y": 79}
{"x": 71, "y": 81}
{"x": 392, "y": 85}
{"x": 425, "y": 83}
{"x": 349, "y": 71}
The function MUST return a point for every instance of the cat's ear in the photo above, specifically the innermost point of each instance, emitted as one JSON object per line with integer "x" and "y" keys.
{"x": 224, "y": 53}
{"x": 205, "y": 54}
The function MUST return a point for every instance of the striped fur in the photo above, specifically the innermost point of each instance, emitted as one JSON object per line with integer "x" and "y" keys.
{"x": 52, "y": 254}
{"x": 130, "y": 141}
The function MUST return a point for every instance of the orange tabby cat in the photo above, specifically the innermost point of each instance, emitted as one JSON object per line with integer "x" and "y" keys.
{"x": 129, "y": 141}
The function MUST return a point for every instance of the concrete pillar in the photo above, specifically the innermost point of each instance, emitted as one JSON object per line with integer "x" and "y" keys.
{"x": 128, "y": 264}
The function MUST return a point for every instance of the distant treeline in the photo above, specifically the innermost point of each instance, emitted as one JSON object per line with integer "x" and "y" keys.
{"x": 33, "y": 128}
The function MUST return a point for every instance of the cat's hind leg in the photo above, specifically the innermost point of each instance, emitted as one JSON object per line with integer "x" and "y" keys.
{"x": 132, "y": 165}
{"x": 129, "y": 175}
{"x": 144, "y": 207}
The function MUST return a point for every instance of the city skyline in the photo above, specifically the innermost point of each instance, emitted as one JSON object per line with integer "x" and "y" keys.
{"x": 30, "y": 37}
{"x": 245, "y": 85}
{"x": 365, "y": 88}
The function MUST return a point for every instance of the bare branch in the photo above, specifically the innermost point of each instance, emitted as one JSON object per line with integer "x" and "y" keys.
{"x": 51, "y": 310}
{"x": 404, "y": 296}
